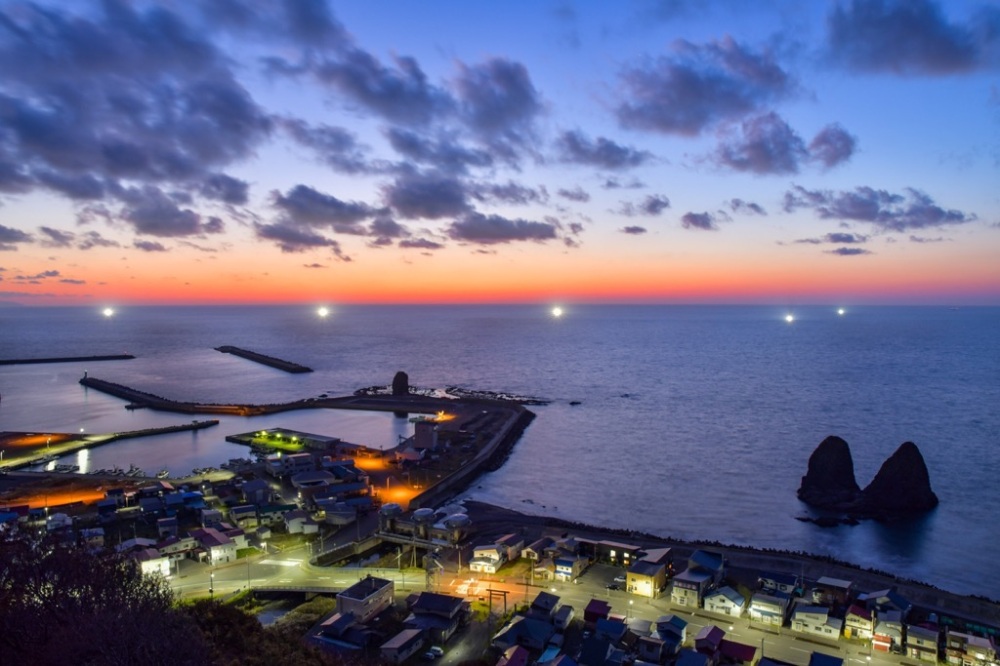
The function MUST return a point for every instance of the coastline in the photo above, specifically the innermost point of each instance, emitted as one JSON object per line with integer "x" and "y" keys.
{"x": 499, "y": 520}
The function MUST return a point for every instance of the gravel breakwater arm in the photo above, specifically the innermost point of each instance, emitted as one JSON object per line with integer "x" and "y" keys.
{"x": 66, "y": 359}
{"x": 263, "y": 359}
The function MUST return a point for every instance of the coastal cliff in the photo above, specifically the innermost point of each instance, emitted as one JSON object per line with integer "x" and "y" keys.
{"x": 901, "y": 487}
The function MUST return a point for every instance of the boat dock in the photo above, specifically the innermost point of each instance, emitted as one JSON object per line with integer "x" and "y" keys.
{"x": 263, "y": 359}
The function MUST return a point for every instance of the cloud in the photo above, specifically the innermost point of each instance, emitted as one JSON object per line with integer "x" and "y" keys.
{"x": 766, "y": 145}
{"x": 426, "y": 195}
{"x": 576, "y": 194}
{"x": 634, "y": 231}
{"x": 652, "y": 205}
{"x": 120, "y": 93}
{"x": 616, "y": 184}
{"x": 307, "y": 206}
{"x": 919, "y": 239}
{"x": 72, "y": 281}
{"x": 149, "y": 246}
{"x": 308, "y": 22}
{"x": 491, "y": 229}
{"x": 220, "y": 187}
{"x": 576, "y": 147}
{"x": 92, "y": 239}
{"x": 833, "y": 145}
{"x": 401, "y": 94}
{"x": 152, "y": 212}
{"x": 292, "y": 239}
{"x": 698, "y": 86}
{"x": 334, "y": 146}
{"x": 499, "y": 102}
{"x": 420, "y": 244}
{"x": 56, "y": 238}
{"x": 908, "y": 37}
{"x": 10, "y": 235}
{"x": 386, "y": 227}
{"x": 837, "y": 238}
{"x": 704, "y": 221}
{"x": 849, "y": 251}
{"x": 313, "y": 265}
{"x": 883, "y": 209}
{"x": 509, "y": 192}
{"x": 747, "y": 207}
{"x": 443, "y": 153}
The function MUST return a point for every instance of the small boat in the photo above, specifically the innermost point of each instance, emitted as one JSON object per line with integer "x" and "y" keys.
{"x": 163, "y": 473}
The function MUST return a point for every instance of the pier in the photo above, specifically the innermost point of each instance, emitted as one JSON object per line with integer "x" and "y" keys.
{"x": 66, "y": 359}
{"x": 263, "y": 359}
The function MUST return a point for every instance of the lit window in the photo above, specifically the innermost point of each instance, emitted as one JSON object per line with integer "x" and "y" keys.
{"x": 612, "y": 553}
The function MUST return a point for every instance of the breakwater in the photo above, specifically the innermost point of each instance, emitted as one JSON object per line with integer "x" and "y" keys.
{"x": 263, "y": 359}
{"x": 66, "y": 359}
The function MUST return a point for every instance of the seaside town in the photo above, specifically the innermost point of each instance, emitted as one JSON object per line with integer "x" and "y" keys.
{"x": 393, "y": 570}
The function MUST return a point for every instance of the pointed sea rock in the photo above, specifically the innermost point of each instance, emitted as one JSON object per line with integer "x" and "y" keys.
{"x": 901, "y": 486}
{"x": 829, "y": 482}
{"x": 401, "y": 384}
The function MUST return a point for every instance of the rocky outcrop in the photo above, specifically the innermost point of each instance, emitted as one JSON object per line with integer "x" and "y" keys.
{"x": 401, "y": 384}
{"x": 902, "y": 484}
{"x": 901, "y": 488}
{"x": 829, "y": 481}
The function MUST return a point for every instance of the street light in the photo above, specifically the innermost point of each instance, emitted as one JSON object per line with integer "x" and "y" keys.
{"x": 211, "y": 586}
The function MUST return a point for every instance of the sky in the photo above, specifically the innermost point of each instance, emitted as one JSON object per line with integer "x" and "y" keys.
{"x": 525, "y": 151}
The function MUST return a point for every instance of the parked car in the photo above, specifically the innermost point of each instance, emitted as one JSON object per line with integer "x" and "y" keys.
{"x": 429, "y": 656}
{"x": 437, "y": 649}
{"x": 614, "y": 586}
{"x": 620, "y": 578}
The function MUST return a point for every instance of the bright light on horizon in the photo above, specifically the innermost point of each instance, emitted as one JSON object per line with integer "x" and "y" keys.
{"x": 323, "y": 311}
{"x": 841, "y": 311}
{"x": 557, "y": 312}
{"x": 789, "y": 318}
{"x": 108, "y": 312}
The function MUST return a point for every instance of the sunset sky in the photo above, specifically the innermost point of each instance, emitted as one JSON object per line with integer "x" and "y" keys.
{"x": 270, "y": 151}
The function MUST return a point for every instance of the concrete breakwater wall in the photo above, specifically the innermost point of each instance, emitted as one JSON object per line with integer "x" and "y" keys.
{"x": 142, "y": 399}
{"x": 66, "y": 359}
{"x": 264, "y": 359}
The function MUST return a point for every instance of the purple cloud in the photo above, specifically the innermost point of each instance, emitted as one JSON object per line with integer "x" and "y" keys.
{"x": 653, "y": 205}
{"x": 294, "y": 239}
{"x": 443, "y": 153}
{"x": 149, "y": 246}
{"x": 633, "y": 230}
{"x": 849, "y": 251}
{"x": 883, "y": 209}
{"x": 704, "y": 221}
{"x": 426, "y": 195}
{"x": 420, "y": 244}
{"x": 698, "y": 86}
{"x": 908, "y": 37}
{"x": 746, "y": 207}
{"x": 492, "y": 229}
{"x": 833, "y": 145}
{"x": 766, "y": 145}
{"x": 499, "y": 101}
{"x": 334, "y": 146}
{"x": 576, "y": 147}
{"x": 307, "y": 206}
{"x": 576, "y": 194}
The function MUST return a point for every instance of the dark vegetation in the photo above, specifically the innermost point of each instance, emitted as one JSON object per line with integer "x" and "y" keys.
{"x": 60, "y": 604}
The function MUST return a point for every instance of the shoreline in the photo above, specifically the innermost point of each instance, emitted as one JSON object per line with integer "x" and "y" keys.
{"x": 500, "y": 520}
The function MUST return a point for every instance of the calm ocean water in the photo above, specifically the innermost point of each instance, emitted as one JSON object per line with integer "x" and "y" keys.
{"x": 694, "y": 422}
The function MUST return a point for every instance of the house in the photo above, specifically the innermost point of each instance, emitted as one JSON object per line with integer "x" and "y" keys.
{"x": 832, "y": 591}
{"x": 672, "y": 630}
{"x": 921, "y": 643}
{"x": 528, "y": 632}
{"x": 514, "y": 656}
{"x": 741, "y": 654}
{"x": 771, "y": 582}
{"x": 563, "y": 617}
{"x": 544, "y": 606}
{"x": 210, "y": 517}
{"x": 366, "y": 598}
{"x": 92, "y": 538}
{"x": 437, "y": 614}
{"x": 645, "y": 578}
{"x": 597, "y": 609}
{"x": 708, "y": 639}
{"x": 176, "y": 548}
{"x": 594, "y": 652}
{"x": 963, "y": 649}
{"x": 569, "y": 567}
{"x": 768, "y": 609}
{"x": 816, "y": 620}
{"x": 613, "y": 630}
{"x": 688, "y": 657}
{"x": 402, "y": 646}
{"x": 300, "y": 522}
{"x": 820, "y": 659}
{"x": 883, "y": 601}
{"x": 166, "y": 527}
{"x": 651, "y": 649}
{"x": 274, "y": 513}
{"x": 536, "y": 549}
{"x": 888, "y": 633}
{"x": 725, "y": 601}
{"x": 217, "y": 546}
{"x": 487, "y": 558}
{"x": 245, "y": 516}
{"x": 859, "y": 623}
{"x": 512, "y": 545}
{"x": 710, "y": 562}
{"x": 612, "y": 552}
{"x": 637, "y": 628}
{"x": 342, "y": 633}
{"x": 151, "y": 561}
{"x": 256, "y": 491}
{"x": 689, "y": 587}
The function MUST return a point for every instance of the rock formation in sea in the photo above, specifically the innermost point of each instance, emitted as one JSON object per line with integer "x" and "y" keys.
{"x": 902, "y": 486}
{"x": 401, "y": 384}
{"x": 829, "y": 481}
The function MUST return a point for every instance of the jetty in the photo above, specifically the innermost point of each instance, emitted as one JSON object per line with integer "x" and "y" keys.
{"x": 264, "y": 359}
{"x": 66, "y": 359}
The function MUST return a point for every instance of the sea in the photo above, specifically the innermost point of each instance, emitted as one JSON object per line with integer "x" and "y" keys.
{"x": 693, "y": 422}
